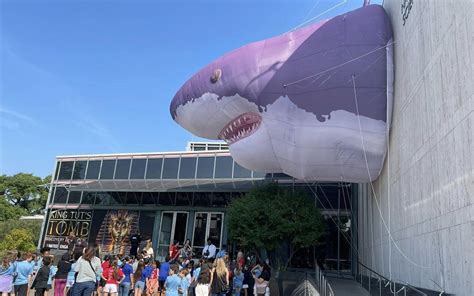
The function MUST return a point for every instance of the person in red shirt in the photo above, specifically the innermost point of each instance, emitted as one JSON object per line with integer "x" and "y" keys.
{"x": 105, "y": 265}
{"x": 112, "y": 277}
{"x": 174, "y": 250}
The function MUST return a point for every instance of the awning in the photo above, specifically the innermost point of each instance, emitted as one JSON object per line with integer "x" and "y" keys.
{"x": 168, "y": 185}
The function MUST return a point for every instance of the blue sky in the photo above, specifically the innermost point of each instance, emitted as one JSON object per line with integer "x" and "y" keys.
{"x": 82, "y": 77}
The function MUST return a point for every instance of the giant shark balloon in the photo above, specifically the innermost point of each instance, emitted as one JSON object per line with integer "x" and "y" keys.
{"x": 314, "y": 103}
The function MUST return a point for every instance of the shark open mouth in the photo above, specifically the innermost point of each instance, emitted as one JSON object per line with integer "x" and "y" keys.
{"x": 240, "y": 127}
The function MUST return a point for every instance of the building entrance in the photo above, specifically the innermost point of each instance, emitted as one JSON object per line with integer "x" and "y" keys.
{"x": 173, "y": 227}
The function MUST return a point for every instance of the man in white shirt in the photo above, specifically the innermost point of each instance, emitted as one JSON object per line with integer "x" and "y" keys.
{"x": 209, "y": 251}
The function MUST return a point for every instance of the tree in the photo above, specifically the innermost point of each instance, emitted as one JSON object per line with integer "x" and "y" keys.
{"x": 269, "y": 215}
{"x": 19, "y": 240}
{"x": 9, "y": 212}
{"x": 25, "y": 191}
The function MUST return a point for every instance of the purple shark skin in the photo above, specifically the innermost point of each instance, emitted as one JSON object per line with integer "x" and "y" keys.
{"x": 259, "y": 72}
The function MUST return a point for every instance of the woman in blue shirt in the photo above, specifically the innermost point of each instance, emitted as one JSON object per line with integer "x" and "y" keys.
{"x": 173, "y": 281}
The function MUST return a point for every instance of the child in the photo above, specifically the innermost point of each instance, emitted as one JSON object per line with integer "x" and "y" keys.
{"x": 71, "y": 275}
{"x": 52, "y": 272}
{"x": 163, "y": 274}
{"x": 184, "y": 286}
{"x": 139, "y": 279}
{"x": 173, "y": 281}
{"x": 112, "y": 276}
{"x": 40, "y": 284}
{"x": 238, "y": 280}
{"x": 152, "y": 281}
{"x": 127, "y": 269}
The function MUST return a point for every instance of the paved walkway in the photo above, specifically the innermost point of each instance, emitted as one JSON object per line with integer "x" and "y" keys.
{"x": 347, "y": 287}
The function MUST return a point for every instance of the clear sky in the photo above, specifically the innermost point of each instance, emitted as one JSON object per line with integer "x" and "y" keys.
{"x": 82, "y": 77}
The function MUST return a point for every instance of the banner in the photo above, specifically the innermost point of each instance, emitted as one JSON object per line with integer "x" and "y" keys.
{"x": 62, "y": 222}
{"x": 111, "y": 229}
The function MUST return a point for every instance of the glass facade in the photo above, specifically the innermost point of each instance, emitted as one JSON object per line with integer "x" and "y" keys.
{"x": 201, "y": 185}
{"x": 204, "y": 167}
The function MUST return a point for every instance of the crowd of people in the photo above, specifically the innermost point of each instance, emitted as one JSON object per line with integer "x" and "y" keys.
{"x": 83, "y": 273}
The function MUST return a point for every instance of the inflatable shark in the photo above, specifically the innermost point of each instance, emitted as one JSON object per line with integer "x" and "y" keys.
{"x": 314, "y": 103}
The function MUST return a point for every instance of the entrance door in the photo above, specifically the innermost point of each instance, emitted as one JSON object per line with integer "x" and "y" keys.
{"x": 207, "y": 224}
{"x": 173, "y": 227}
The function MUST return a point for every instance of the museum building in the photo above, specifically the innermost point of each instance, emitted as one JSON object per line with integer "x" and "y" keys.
{"x": 174, "y": 196}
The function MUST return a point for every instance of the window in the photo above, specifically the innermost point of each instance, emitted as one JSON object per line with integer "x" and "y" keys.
{"x": 207, "y": 225}
{"x": 241, "y": 172}
{"x": 202, "y": 199}
{"x": 150, "y": 198}
{"x": 205, "y": 167}
{"x": 138, "y": 169}
{"x": 60, "y": 195}
{"x": 170, "y": 168}
{"x": 123, "y": 168}
{"x": 74, "y": 197}
{"x": 108, "y": 167}
{"x": 187, "y": 168}
{"x": 167, "y": 199}
{"x": 79, "y": 170}
{"x": 184, "y": 198}
{"x": 133, "y": 198}
{"x": 93, "y": 169}
{"x": 65, "y": 172}
{"x": 224, "y": 167}
{"x": 88, "y": 198}
{"x": 153, "y": 170}
{"x": 259, "y": 174}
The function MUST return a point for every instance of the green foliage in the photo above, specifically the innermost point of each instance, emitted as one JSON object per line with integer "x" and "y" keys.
{"x": 24, "y": 191}
{"x": 19, "y": 240}
{"x": 269, "y": 215}
{"x": 9, "y": 212}
{"x": 33, "y": 226}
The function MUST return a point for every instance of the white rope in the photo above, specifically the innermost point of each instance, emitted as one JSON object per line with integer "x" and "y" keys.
{"x": 315, "y": 17}
{"x": 372, "y": 186}
{"x": 311, "y": 10}
{"x": 340, "y": 65}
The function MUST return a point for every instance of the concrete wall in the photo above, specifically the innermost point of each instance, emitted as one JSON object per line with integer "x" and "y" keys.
{"x": 426, "y": 190}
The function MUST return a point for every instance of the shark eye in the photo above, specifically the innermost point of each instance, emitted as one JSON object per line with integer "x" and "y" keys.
{"x": 216, "y": 75}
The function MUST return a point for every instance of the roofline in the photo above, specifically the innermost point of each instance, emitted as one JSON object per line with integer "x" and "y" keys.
{"x": 143, "y": 154}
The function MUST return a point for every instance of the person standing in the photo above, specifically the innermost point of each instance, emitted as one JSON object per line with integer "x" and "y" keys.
{"x": 135, "y": 240}
{"x": 220, "y": 275}
{"x": 112, "y": 277}
{"x": 71, "y": 242}
{"x": 139, "y": 279}
{"x": 60, "y": 279}
{"x": 40, "y": 283}
{"x": 127, "y": 269}
{"x": 23, "y": 271}
{"x": 163, "y": 274}
{"x": 7, "y": 270}
{"x": 209, "y": 251}
{"x": 204, "y": 280}
{"x": 173, "y": 281}
{"x": 88, "y": 269}
{"x": 149, "y": 250}
{"x": 152, "y": 281}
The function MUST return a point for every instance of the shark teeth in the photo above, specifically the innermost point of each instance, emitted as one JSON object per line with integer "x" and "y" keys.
{"x": 240, "y": 127}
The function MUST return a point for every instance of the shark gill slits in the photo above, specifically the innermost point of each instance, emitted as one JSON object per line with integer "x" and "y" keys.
{"x": 216, "y": 75}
